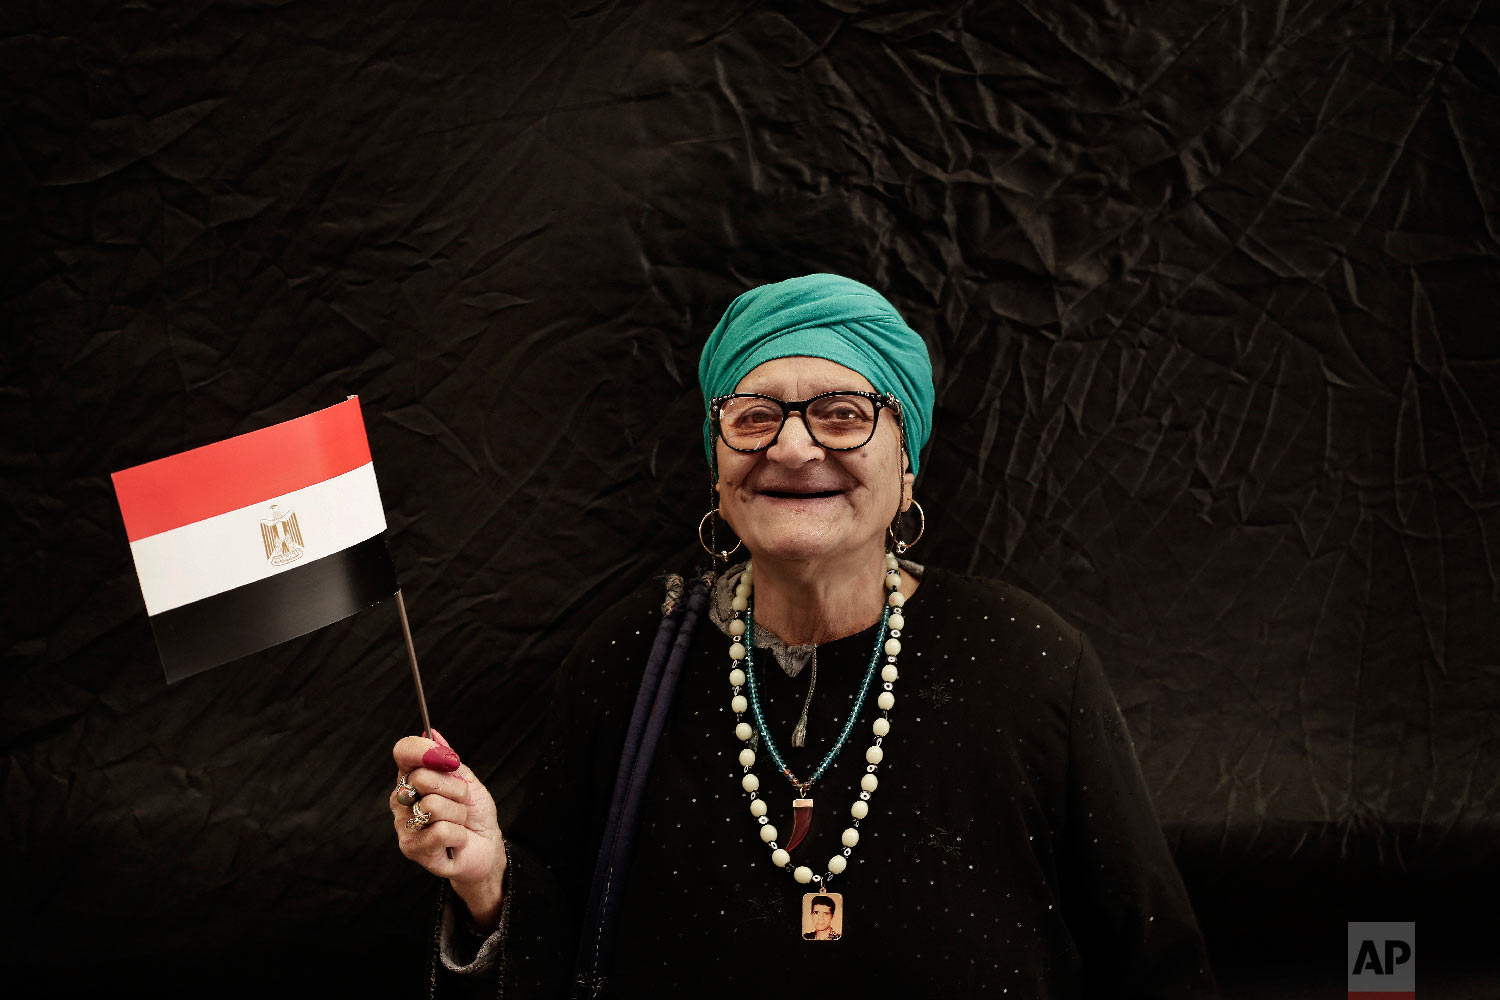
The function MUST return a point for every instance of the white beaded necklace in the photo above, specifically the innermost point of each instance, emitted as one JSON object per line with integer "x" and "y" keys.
{"x": 888, "y": 643}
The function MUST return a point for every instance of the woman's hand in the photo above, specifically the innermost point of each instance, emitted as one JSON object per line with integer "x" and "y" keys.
{"x": 463, "y": 818}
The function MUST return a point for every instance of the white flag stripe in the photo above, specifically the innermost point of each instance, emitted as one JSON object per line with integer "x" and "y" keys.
{"x": 228, "y": 550}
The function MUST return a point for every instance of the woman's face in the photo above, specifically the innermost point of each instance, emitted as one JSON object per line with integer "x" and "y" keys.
{"x": 768, "y": 497}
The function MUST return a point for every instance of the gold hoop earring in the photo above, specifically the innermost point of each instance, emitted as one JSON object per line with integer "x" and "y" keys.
{"x": 716, "y": 555}
{"x": 901, "y": 546}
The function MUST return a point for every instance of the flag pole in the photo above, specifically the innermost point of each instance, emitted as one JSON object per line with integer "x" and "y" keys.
{"x": 416, "y": 674}
{"x": 411, "y": 656}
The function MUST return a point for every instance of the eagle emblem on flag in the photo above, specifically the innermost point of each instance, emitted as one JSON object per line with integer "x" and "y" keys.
{"x": 282, "y": 536}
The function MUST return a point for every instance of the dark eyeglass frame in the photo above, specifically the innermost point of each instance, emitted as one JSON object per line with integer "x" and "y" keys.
{"x": 788, "y": 407}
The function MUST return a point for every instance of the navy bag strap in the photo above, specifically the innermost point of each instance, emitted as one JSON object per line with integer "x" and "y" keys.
{"x": 652, "y": 703}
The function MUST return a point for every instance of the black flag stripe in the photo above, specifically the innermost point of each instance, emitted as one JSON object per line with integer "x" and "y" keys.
{"x": 245, "y": 620}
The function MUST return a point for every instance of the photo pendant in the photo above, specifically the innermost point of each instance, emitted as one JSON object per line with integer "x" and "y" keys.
{"x": 823, "y": 916}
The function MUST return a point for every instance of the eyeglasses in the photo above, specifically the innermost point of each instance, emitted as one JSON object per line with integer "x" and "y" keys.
{"x": 837, "y": 421}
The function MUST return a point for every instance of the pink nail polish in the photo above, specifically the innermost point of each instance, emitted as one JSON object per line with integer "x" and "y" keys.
{"x": 441, "y": 759}
{"x": 438, "y": 737}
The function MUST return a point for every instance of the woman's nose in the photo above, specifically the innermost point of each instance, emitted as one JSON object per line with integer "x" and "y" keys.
{"x": 794, "y": 445}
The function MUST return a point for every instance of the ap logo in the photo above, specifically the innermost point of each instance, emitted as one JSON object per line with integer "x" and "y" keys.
{"x": 1382, "y": 961}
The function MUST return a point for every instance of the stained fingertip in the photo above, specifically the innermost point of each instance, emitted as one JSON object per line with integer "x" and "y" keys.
{"x": 441, "y": 758}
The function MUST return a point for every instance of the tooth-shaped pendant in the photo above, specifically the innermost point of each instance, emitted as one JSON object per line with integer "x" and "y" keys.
{"x": 801, "y": 820}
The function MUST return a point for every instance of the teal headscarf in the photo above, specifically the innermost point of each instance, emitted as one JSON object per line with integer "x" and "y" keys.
{"x": 821, "y": 316}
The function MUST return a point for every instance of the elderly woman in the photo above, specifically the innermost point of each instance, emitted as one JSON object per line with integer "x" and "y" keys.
{"x": 934, "y": 760}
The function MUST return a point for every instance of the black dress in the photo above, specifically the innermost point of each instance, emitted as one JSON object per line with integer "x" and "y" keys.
{"x": 1010, "y": 849}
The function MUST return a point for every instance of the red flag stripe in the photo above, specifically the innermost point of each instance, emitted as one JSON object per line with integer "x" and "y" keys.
{"x": 240, "y": 471}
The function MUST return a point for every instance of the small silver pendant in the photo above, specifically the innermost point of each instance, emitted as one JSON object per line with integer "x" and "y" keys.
{"x": 823, "y": 916}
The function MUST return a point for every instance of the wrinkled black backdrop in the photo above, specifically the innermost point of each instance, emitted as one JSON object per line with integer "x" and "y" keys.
{"x": 1209, "y": 291}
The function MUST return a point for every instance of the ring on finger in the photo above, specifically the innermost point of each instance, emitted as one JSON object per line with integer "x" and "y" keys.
{"x": 405, "y": 793}
{"x": 419, "y": 818}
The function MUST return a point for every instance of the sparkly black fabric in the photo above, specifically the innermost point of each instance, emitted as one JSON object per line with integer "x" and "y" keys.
{"x": 1010, "y": 849}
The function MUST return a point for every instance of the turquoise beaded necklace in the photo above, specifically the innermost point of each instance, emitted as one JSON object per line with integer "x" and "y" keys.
{"x": 742, "y": 676}
{"x": 760, "y": 719}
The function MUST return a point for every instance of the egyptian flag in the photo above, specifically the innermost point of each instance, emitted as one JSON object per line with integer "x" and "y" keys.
{"x": 255, "y": 540}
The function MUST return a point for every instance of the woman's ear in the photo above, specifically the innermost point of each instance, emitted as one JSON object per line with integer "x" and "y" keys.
{"x": 907, "y": 478}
